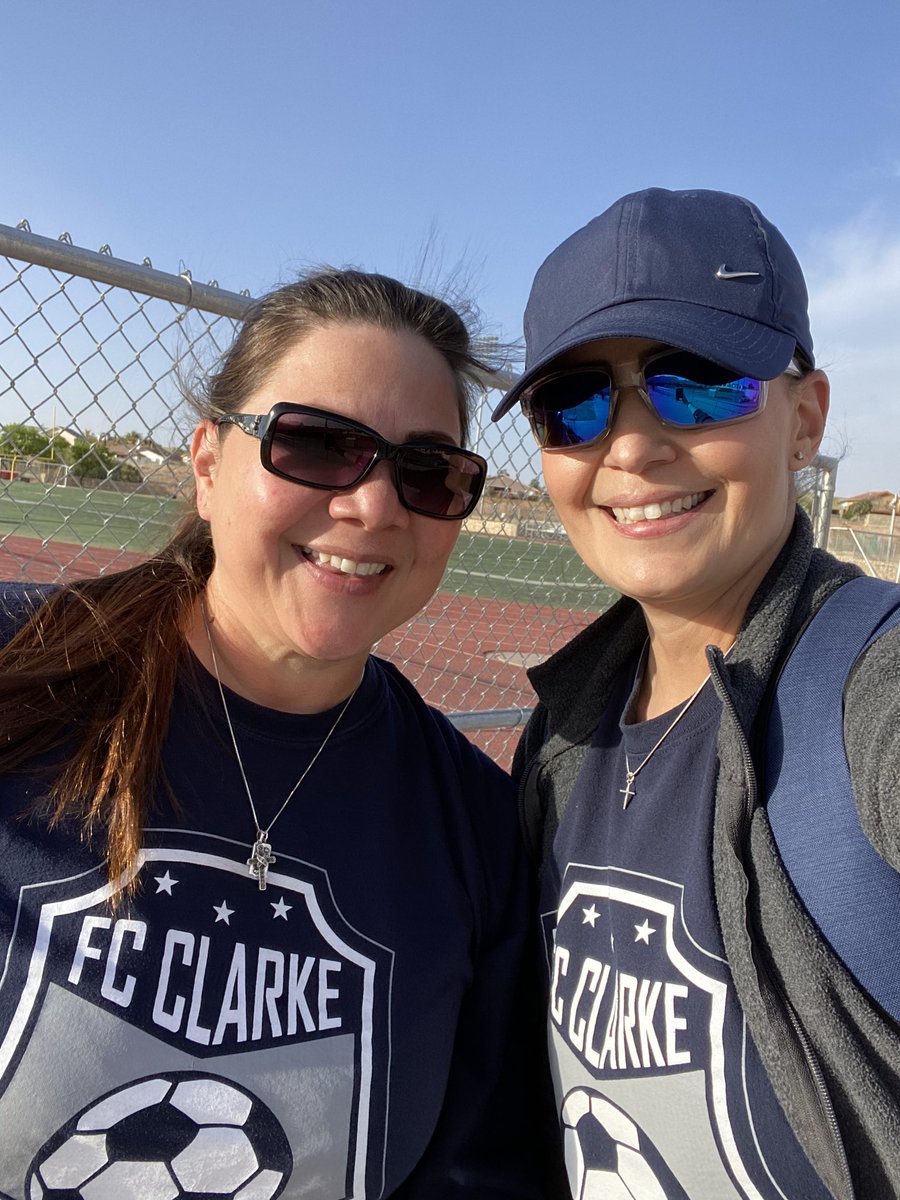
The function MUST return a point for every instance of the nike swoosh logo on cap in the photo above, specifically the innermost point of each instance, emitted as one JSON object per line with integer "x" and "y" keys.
{"x": 724, "y": 273}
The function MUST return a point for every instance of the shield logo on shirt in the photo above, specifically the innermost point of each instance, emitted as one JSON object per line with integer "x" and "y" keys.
{"x": 638, "y": 1016}
{"x": 203, "y": 984}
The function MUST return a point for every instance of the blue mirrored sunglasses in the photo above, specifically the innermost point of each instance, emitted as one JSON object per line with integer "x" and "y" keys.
{"x": 576, "y": 406}
{"x": 323, "y": 450}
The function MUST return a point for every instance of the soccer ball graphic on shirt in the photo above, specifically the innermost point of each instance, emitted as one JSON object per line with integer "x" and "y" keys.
{"x": 608, "y": 1157}
{"x": 171, "y": 1136}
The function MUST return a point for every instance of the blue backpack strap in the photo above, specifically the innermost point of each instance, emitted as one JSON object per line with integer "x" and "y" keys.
{"x": 849, "y": 890}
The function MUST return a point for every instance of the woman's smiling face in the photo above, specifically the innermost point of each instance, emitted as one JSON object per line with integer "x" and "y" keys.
{"x": 686, "y": 521}
{"x": 317, "y": 574}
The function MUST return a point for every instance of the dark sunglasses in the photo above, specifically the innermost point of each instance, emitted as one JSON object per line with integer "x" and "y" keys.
{"x": 575, "y": 407}
{"x": 322, "y": 450}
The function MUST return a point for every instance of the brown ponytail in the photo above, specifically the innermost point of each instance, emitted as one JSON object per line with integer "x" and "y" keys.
{"x": 90, "y": 679}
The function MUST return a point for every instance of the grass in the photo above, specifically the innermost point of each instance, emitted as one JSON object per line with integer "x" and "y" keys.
{"x": 496, "y": 568}
{"x": 527, "y": 571}
{"x": 72, "y": 514}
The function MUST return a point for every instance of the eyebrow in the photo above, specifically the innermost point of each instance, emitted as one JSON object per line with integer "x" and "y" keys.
{"x": 430, "y": 435}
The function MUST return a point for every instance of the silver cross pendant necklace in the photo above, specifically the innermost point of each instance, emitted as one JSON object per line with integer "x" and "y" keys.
{"x": 261, "y": 856}
{"x": 628, "y": 792}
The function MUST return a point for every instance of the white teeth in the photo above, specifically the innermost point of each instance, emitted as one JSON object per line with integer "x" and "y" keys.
{"x": 653, "y": 512}
{"x": 347, "y": 566}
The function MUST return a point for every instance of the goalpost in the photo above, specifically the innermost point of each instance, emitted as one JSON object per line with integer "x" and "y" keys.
{"x": 22, "y": 469}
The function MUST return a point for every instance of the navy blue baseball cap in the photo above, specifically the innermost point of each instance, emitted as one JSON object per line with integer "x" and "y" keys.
{"x": 700, "y": 270}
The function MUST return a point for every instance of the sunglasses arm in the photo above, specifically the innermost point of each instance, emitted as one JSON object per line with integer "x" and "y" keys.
{"x": 254, "y": 424}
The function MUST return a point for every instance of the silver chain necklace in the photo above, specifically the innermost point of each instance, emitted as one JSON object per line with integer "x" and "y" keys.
{"x": 628, "y": 792}
{"x": 261, "y": 856}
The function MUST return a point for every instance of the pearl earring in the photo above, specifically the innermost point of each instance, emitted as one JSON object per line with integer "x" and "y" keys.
{"x": 799, "y": 455}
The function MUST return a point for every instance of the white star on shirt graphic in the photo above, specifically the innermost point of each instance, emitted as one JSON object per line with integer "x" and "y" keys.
{"x": 642, "y": 932}
{"x": 590, "y": 916}
{"x": 223, "y": 912}
{"x": 281, "y": 909}
{"x": 165, "y": 883}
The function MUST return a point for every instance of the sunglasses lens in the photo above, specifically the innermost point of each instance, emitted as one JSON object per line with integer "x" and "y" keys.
{"x": 311, "y": 448}
{"x": 569, "y": 409}
{"x": 689, "y": 391}
{"x": 314, "y": 450}
{"x": 439, "y": 483}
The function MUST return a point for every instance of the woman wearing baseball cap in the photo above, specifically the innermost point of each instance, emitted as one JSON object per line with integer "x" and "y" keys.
{"x": 720, "y": 1023}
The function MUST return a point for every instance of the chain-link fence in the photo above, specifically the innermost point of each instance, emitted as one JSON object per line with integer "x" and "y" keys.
{"x": 94, "y": 472}
{"x": 873, "y": 544}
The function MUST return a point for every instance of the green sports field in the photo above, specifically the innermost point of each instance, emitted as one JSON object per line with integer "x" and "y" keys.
{"x": 531, "y": 572}
{"x": 100, "y": 518}
{"x": 494, "y": 568}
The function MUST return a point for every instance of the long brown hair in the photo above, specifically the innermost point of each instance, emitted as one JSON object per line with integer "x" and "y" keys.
{"x": 87, "y": 682}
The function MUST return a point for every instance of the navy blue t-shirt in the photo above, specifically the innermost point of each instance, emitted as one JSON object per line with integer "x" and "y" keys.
{"x": 352, "y": 1030}
{"x": 656, "y": 1075}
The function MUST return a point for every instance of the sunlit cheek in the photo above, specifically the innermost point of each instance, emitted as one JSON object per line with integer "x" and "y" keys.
{"x": 569, "y": 483}
{"x": 440, "y": 554}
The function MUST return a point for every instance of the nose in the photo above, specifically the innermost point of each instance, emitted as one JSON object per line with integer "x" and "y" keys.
{"x": 374, "y": 502}
{"x": 637, "y": 438}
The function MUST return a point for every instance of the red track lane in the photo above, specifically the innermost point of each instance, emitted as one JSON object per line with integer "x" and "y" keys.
{"x": 464, "y": 653}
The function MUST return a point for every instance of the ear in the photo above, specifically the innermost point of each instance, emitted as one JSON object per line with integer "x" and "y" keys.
{"x": 204, "y": 460}
{"x": 811, "y": 397}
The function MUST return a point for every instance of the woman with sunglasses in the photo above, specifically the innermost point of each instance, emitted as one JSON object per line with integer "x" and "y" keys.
{"x": 701, "y": 1026}
{"x": 262, "y": 911}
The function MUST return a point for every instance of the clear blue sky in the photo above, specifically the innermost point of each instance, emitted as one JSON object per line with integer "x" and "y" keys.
{"x": 245, "y": 141}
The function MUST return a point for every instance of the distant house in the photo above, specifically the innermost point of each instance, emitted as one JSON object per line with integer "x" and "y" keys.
{"x": 68, "y": 436}
{"x": 161, "y": 470}
{"x": 122, "y": 452}
{"x": 156, "y": 456}
{"x": 504, "y": 487}
{"x": 880, "y": 503}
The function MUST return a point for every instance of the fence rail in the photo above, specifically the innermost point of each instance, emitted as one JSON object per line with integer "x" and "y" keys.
{"x": 876, "y": 550}
{"x": 101, "y": 267}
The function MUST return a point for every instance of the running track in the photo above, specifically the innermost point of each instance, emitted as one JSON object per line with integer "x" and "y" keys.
{"x": 463, "y": 653}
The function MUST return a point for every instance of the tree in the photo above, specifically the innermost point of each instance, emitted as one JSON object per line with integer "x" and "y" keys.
{"x": 89, "y": 460}
{"x": 856, "y": 510}
{"x": 31, "y": 442}
{"x": 126, "y": 473}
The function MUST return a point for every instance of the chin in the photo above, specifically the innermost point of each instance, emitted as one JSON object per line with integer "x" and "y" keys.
{"x": 661, "y": 589}
{"x": 336, "y": 650}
